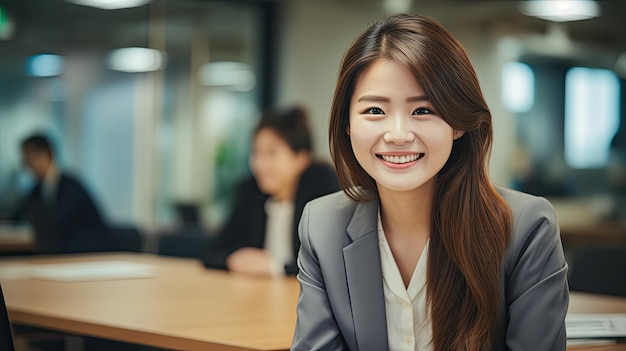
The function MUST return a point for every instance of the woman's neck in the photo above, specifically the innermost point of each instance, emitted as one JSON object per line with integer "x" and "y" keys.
{"x": 286, "y": 194}
{"x": 406, "y": 214}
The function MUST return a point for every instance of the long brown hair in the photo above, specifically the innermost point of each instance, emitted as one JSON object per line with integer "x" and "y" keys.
{"x": 470, "y": 222}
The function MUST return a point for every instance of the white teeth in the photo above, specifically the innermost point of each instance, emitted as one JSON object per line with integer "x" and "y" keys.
{"x": 401, "y": 159}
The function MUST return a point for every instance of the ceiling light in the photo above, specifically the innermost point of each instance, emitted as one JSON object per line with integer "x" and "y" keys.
{"x": 235, "y": 76}
{"x": 136, "y": 60}
{"x": 44, "y": 65}
{"x": 110, "y": 4}
{"x": 518, "y": 87}
{"x": 561, "y": 10}
{"x": 397, "y": 6}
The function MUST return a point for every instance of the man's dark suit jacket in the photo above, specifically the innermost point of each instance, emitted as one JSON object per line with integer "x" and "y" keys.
{"x": 71, "y": 223}
{"x": 246, "y": 225}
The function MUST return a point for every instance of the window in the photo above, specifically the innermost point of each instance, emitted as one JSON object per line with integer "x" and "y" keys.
{"x": 518, "y": 87}
{"x": 591, "y": 116}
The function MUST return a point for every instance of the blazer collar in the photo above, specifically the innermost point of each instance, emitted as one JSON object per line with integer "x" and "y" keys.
{"x": 363, "y": 221}
{"x": 365, "y": 279}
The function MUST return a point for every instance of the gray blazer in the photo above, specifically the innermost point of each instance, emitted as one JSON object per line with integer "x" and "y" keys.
{"x": 341, "y": 304}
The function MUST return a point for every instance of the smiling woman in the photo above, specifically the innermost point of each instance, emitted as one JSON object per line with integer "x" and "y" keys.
{"x": 420, "y": 250}
{"x": 392, "y": 120}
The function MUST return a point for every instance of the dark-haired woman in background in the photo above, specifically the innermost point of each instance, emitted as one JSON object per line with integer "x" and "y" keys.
{"x": 261, "y": 237}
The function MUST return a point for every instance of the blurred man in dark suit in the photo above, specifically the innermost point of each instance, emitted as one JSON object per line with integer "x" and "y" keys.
{"x": 64, "y": 216}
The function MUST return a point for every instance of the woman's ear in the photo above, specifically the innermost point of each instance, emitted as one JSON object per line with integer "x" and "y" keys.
{"x": 348, "y": 130}
{"x": 458, "y": 133}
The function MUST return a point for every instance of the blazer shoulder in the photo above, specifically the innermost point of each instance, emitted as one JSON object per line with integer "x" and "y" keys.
{"x": 337, "y": 200}
{"x": 528, "y": 209}
{"x": 319, "y": 178}
{"x": 328, "y": 216}
{"x": 535, "y": 224}
{"x": 72, "y": 186}
{"x": 73, "y": 182}
{"x": 319, "y": 168}
{"x": 336, "y": 204}
{"x": 247, "y": 191}
{"x": 70, "y": 178}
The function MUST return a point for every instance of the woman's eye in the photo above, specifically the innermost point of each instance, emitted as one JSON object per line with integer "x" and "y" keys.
{"x": 422, "y": 111}
{"x": 374, "y": 111}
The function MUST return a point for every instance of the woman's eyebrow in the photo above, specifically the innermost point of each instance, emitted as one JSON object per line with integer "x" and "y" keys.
{"x": 418, "y": 98}
{"x": 375, "y": 98}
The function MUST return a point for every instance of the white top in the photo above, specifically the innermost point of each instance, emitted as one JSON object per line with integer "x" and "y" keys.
{"x": 49, "y": 186}
{"x": 278, "y": 234}
{"x": 408, "y": 327}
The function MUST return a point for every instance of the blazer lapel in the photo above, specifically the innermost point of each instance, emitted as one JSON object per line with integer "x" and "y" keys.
{"x": 365, "y": 279}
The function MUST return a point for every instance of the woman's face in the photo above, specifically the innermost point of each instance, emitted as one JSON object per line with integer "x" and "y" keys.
{"x": 397, "y": 136}
{"x": 276, "y": 167}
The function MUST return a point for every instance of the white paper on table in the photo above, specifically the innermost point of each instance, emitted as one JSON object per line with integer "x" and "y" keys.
{"x": 595, "y": 325}
{"x": 91, "y": 271}
{"x": 13, "y": 271}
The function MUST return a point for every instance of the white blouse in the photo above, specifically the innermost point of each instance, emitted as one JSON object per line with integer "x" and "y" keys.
{"x": 408, "y": 325}
{"x": 49, "y": 187}
{"x": 279, "y": 234}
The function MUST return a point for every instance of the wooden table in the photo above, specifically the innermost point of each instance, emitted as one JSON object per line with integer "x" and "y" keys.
{"x": 183, "y": 307}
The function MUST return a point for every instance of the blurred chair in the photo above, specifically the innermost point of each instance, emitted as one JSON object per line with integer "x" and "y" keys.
{"x": 189, "y": 245}
{"x": 188, "y": 214}
{"x": 6, "y": 335}
{"x": 126, "y": 238}
{"x": 599, "y": 270}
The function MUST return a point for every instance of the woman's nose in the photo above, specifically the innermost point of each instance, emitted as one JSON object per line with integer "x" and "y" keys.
{"x": 398, "y": 131}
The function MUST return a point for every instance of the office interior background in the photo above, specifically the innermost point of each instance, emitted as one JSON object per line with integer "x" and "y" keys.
{"x": 154, "y": 105}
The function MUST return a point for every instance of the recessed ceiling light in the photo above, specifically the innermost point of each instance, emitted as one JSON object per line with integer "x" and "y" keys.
{"x": 44, "y": 65}
{"x": 397, "y": 6}
{"x": 136, "y": 60}
{"x": 110, "y": 4}
{"x": 561, "y": 10}
{"x": 235, "y": 76}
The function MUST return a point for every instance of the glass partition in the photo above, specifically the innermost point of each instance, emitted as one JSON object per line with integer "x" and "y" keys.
{"x": 166, "y": 121}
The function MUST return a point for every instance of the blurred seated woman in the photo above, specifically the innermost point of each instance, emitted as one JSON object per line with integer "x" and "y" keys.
{"x": 261, "y": 236}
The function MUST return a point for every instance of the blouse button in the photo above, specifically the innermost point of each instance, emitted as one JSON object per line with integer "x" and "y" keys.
{"x": 408, "y": 340}
{"x": 406, "y": 305}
